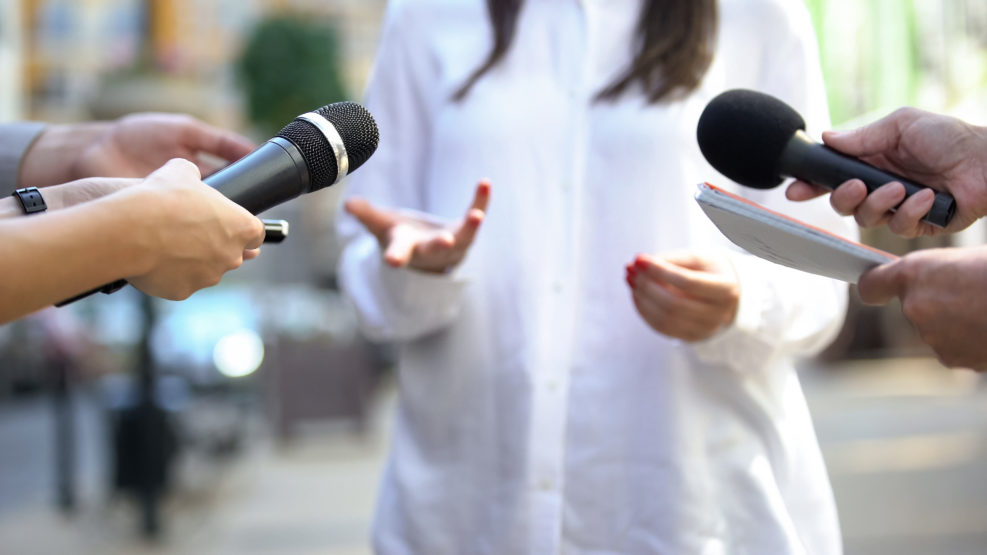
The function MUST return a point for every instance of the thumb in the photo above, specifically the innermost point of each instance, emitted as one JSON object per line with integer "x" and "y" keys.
{"x": 176, "y": 169}
{"x": 881, "y": 284}
{"x": 875, "y": 138}
{"x": 377, "y": 222}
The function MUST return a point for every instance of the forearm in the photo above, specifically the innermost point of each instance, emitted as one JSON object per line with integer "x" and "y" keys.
{"x": 69, "y": 194}
{"x": 396, "y": 304}
{"x": 55, "y": 256}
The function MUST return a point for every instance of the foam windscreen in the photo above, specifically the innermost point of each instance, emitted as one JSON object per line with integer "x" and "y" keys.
{"x": 742, "y": 133}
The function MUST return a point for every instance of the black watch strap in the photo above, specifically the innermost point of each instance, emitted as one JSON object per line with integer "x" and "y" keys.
{"x": 31, "y": 200}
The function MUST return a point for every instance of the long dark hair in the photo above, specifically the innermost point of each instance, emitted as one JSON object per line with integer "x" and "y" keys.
{"x": 674, "y": 47}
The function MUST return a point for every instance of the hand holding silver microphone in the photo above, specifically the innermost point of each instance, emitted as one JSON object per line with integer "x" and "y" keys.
{"x": 314, "y": 151}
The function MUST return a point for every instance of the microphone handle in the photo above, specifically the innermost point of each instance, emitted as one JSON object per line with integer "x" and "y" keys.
{"x": 819, "y": 164}
{"x": 273, "y": 173}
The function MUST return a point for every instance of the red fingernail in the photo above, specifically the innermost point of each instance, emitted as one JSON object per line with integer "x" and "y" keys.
{"x": 640, "y": 263}
{"x": 630, "y": 281}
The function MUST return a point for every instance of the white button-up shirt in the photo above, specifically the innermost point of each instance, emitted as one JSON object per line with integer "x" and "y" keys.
{"x": 538, "y": 413}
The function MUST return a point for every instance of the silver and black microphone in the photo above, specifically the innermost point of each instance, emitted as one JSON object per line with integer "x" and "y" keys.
{"x": 316, "y": 150}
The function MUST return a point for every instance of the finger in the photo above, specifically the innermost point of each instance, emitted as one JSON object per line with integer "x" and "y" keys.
{"x": 376, "y": 221}
{"x": 250, "y": 254}
{"x": 881, "y": 284}
{"x": 176, "y": 169}
{"x": 699, "y": 284}
{"x": 466, "y": 233}
{"x": 224, "y": 144}
{"x": 481, "y": 198}
{"x": 799, "y": 191}
{"x": 907, "y": 221}
{"x": 846, "y": 198}
{"x": 664, "y": 321}
{"x": 206, "y": 168}
{"x": 685, "y": 259}
{"x": 876, "y": 207}
{"x": 676, "y": 306}
{"x": 875, "y": 138}
{"x": 437, "y": 249}
{"x": 257, "y": 233}
{"x": 400, "y": 248}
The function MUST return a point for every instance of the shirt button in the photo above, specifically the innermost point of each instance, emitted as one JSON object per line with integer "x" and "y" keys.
{"x": 552, "y": 385}
{"x": 545, "y": 484}
{"x": 557, "y": 286}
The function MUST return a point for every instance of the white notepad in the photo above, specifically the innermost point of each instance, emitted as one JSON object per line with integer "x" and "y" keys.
{"x": 787, "y": 241}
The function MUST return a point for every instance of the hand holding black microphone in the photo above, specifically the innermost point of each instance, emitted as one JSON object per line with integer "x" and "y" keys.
{"x": 942, "y": 151}
{"x": 758, "y": 140}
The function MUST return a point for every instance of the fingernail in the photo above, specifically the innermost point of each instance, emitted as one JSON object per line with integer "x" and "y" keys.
{"x": 640, "y": 263}
{"x": 630, "y": 281}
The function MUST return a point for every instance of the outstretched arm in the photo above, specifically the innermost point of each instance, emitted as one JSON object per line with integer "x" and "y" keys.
{"x": 132, "y": 146}
{"x": 66, "y": 195}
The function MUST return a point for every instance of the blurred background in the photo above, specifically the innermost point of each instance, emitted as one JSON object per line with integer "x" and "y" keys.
{"x": 252, "y": 418}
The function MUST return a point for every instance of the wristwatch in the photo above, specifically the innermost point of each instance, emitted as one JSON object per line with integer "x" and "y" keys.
{"x": 31, "y": 200}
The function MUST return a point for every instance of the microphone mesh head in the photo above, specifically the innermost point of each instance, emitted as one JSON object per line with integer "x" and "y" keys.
{"x": 355, "y": 126}
{"x": 742, "y": 133}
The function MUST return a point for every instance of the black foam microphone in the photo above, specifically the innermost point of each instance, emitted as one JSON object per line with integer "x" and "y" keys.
{"x": 312, "y": 152}
{"x": 757, "y": 140}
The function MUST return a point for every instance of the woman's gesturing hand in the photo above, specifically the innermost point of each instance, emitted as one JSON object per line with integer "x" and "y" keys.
{"x": 683, "y": 294}
{"x": 412, "y": 242}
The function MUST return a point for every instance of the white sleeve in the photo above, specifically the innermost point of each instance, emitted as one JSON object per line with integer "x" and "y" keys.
{"x": 397, "y": 305}
{"x": 785, "y": 312}
{"x": 15, "y": 140}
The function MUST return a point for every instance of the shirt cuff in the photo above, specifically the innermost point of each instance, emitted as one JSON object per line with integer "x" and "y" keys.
{"x": 742, "y": 344}
{"x": 398, "y": 304}
{"x": 15, "y": 140}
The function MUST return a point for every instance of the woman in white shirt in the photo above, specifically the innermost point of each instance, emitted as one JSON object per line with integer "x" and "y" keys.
{"x": 539, "y": 411}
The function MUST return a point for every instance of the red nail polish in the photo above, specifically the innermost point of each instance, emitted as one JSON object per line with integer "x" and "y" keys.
{"x": 630, "y": 281}
{"x": 640, "y": 263}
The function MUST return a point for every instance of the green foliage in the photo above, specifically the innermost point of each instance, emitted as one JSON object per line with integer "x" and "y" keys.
{"x": 868, "y": 53}
{"x": 289, "y": 66}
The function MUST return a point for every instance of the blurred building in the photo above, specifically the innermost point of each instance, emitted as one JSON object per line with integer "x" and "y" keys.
{"x": 11, "y": 74}
{"x": 78, "y": 59}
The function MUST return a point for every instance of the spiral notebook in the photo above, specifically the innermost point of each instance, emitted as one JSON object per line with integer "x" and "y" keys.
{"x": 785, "y": 240}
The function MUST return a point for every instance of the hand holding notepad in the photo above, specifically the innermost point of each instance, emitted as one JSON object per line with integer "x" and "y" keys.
{"x": 785, "y": 240}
